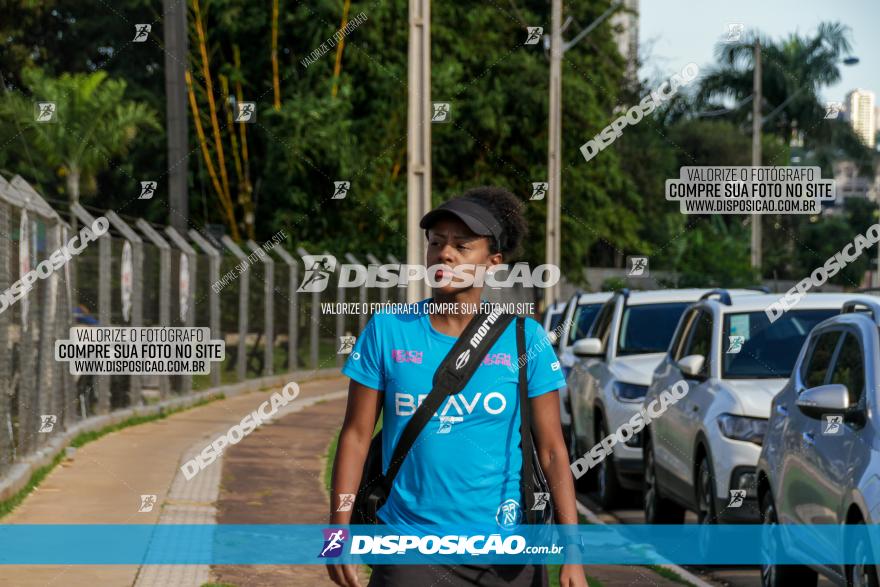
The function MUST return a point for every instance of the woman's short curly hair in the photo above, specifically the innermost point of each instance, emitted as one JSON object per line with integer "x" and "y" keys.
{"x": 507, "y": 209}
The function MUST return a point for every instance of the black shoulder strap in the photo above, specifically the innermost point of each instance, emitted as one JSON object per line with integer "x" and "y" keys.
{"x": 525, "y": 429}
{"x": 451, "y": 377}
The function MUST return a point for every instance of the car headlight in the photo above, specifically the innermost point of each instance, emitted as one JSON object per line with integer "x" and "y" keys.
{"x": 743, "y": 428}
{"x": 629, "y": 392}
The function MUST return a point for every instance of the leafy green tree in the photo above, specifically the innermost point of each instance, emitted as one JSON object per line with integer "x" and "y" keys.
{"x": 822, "y": 239}
{"x": 713, "y": 254}
{"x": 92, "y": 124}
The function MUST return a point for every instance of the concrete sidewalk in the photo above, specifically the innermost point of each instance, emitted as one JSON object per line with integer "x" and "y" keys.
{"x": 273, "y": 476}
{"x": 104, "y": 481}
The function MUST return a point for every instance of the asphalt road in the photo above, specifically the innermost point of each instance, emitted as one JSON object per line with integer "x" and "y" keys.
{"x": 733, "y": 576}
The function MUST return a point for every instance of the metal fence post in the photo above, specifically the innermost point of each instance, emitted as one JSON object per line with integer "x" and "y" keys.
{"x": 293, "y": 309}
{"x": 243, "y": 293}
{"x": 31, "y": 398}
{"x": 102, "y": 381}
{"x": 268, "y": 307}
{"x": 164, "y": 286}
{"x": 188, "y": 318}
{"x": 6, "y": 446}
{"x": 315, "y": 318}
{"x": 136, "y": 318}
{"x": 213, "y": 297}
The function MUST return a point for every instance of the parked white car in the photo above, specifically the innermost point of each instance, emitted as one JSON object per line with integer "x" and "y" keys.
{"x": 577, "y": 317}
{"x": 553, "y": 316}
{"x": 611, "y": 376}
{"x": 701, "y": 454}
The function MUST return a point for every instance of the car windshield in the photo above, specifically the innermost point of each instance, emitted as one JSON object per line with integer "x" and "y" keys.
{"x": 756, "y": 349}
{"x": 648, "y": 328}
{"x": 555, "y": 319}
{"x": 583, "y": 319}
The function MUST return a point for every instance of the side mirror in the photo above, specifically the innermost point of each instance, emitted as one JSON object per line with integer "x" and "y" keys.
{"x": 588, "y": 347}
{"x": 824, "y": 399}
{"x": 691, "y": 365}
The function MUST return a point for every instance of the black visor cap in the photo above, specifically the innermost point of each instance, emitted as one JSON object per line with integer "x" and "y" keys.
{"x": 475, "y": 216}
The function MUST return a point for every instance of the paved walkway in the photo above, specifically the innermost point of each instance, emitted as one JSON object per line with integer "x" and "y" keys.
{"x": 103, "y": 483}
{"x": 275, "y": 475}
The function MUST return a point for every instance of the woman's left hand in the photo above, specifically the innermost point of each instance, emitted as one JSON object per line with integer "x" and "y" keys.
{"x": 572, "y": 576}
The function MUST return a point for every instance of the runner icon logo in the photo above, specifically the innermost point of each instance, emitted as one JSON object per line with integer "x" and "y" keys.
{"x": 148, "y": 189}
{"x": 832, "y": 424}
{"x": 638, "y": 266}
{"x": 736, "y": 498}
{"x": 141, "y": 32}
{"x": 508, "y": 515}
{"x": 736, "y": 343}
{"x": 246, "y": 112}
{"x": 446, "y": 423}
{"x": 832, "y": 109}
{"x": 47, "y": 422}
{"x": 541, "y": 501}
{"x": 44, "y": 112}
{"x": 340, "y": 189}
{"x": 346, "y": 344}
{"x": 334, "y": 540}
{"x": 539, "y": 190}
{"x": 346, "y": 501}
{"x": 318, "y": 270}
{"x": 441, "y": 112}
{"x": 735, "y": 31}
{"x": 535, "y": 33}
{"x": 147, "y": 503}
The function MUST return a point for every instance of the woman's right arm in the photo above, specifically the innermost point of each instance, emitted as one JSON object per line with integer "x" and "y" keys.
{"x": 361, "y": 414}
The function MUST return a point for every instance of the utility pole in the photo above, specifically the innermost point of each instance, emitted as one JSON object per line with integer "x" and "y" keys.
{"x": 554, "y": 168}
{"x": 418, "y": 137}
{"x": 553, "y": 249}
{"x": 174, "y": 23}
{"x": 757, "y": 123}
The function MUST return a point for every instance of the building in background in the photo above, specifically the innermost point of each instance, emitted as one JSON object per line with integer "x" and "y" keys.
{"x": 860, "y": 112}
{"x": 626, "y": 25}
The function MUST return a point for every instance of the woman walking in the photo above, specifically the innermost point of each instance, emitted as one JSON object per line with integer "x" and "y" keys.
{"x": 468, "y": 474}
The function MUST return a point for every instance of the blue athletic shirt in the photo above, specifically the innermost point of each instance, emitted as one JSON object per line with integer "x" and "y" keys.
{"x": 466, "y": 463}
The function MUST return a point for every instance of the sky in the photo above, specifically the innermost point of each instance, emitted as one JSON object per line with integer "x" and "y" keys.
{"x": 673, "y": 33}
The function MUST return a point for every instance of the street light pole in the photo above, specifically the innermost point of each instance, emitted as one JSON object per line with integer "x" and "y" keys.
{"x": 554, "y": 168}
{"x": 756, "y": 151}
{"x": 175, "y": 104}
{"x": 553, "y": 249}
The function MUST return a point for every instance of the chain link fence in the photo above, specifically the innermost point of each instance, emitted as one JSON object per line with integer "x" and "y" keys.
{"x": 139, "y": 274}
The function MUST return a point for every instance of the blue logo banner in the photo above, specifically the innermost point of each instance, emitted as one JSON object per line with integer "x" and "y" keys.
{"x": 271, "y": 544}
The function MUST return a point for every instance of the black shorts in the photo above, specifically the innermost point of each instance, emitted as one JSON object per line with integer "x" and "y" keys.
{"x": 458, "y": 575}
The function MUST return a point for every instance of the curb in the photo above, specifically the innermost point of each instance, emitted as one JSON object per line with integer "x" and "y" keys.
{"x": 20, "y": 473}
{"x": 681, "y": 572}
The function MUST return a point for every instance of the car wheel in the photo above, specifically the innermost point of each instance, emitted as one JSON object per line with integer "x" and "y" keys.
{"x": 706, "y": 493}
{"x": 773, "y": 575}
{"x": 608, "y": 487}
{"x": 863, "y": 573}
{"x": 657, "y": 509}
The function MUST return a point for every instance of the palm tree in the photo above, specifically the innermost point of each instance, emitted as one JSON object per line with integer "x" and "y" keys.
{"x": 92, "y": 122}
{"x": 792, "y": 73}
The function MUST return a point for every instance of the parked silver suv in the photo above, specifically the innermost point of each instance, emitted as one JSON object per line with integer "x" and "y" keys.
{"x": 819, "y": 463}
